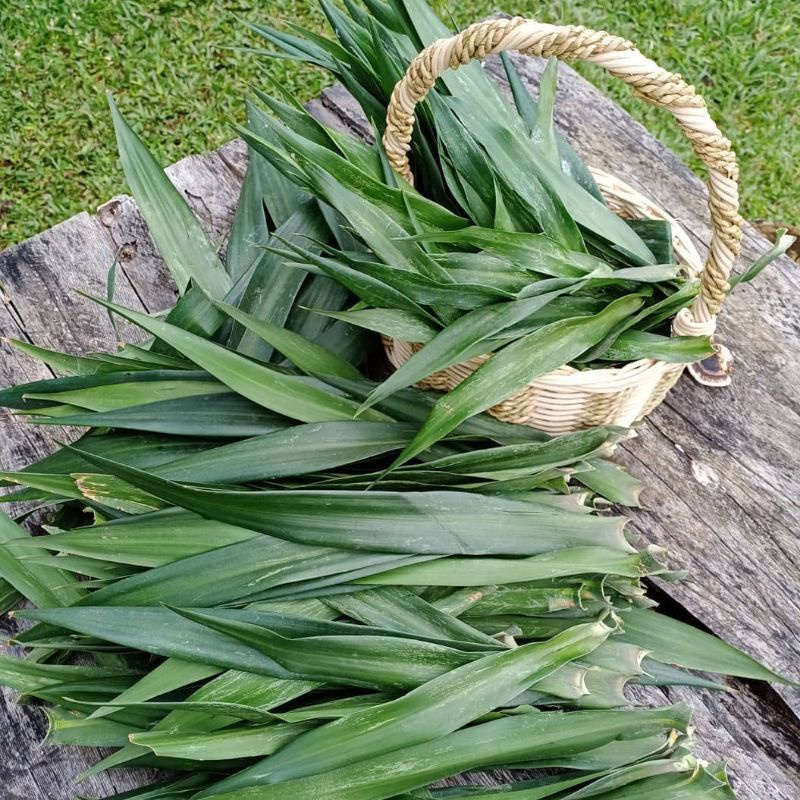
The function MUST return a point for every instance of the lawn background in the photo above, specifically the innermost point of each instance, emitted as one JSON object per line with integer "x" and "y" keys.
{"x": 174, "y": 69}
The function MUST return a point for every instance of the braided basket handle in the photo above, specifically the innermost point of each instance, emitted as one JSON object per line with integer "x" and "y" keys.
{"x": 623, "y": 60}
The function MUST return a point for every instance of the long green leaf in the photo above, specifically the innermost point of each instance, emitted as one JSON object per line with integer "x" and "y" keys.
{"x": 123, "y": 395}
{"x": 782, "y": 244}
{"x": 511, "y": 460}
{"x": 541, "y": 738}
{"x": 159, "y": 631}
{"x": 139, "y": 449}
{"x": 433, "y": 710}
{"x": 220, "y": 415}
{"x": 674, "y": 642}
{"x": 297, "y": 450}
{"x": 460, "y": 337}
{"x": 149, "y": 540}
{"x": 456, "y": 571}
{"x": 516, "y": 365}
{"x": 634, "y": 345}
{"x": 402, "y": 610}
{"x": 235, "y": 743}
{"x": 415, "y": 523}
{"x": 69, "y": 728}
{"x": 571, "y": 162}
{"x": 308, "y": 356}
{"x": 544, "y": 132}
{"x": 277, "y": 391}
{"x": 250, "y": 229}
{"x": 628, "y": 783}
{"x": 263, "y": 185}
{"x": 179, "y": 236}
{"x": 242, "y": 571}
{"x": 42, "y": 585}
{"x": 373, "y": 662}
{"x": 394, "y": 322}
{"x": 67, "y": 364}
{"x": 273, "y": 287}
{"x": 26, "y": 676}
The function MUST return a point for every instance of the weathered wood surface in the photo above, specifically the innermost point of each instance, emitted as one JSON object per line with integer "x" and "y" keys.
{"x": 721, "y": 464}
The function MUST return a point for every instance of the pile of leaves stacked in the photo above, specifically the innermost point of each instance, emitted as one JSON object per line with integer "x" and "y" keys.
{"x": 239, "y": 582}
{"x": 505, "y": 244}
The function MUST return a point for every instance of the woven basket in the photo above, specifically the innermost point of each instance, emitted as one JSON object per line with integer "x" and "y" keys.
{"x": 568, "y": 399}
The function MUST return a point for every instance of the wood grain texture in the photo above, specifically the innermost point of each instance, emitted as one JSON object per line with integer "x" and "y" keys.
{"x": 39, "y": 279}
{"x": 721, "y": 464}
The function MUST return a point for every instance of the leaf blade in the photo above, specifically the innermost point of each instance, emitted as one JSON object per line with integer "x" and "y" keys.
{"x": 180, "y": 238}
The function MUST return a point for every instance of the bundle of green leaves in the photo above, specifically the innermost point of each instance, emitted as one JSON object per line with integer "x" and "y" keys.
{"x": 265, "y": 613}
{"x": 505, "y": 246}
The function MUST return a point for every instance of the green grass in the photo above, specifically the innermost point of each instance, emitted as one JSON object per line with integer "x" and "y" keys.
{"x": 171, "y": 66}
